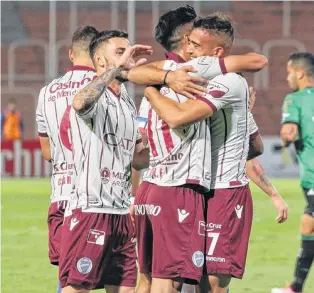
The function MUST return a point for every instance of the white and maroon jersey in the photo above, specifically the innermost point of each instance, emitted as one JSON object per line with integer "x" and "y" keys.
{"x": 180, "y": 156}
{"x": 104, "y": 141}
{"x": 52, "y": 116}
{"x": 230, "y": 126}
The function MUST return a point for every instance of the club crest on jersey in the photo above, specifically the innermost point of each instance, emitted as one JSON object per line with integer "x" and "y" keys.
{"x": 216, "y": 89}
{"x": 84, "y": 265}
{"x": 105, "y": 175}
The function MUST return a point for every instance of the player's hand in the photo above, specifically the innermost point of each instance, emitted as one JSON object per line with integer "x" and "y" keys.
{"x": 143, "y": 132}
{"x": 126, "y": 62}
{"x": 252, "y": 97}
{"x": 281, "y": 207}
{"x": 150, "y": 91}
{"x": 183, "y": 83}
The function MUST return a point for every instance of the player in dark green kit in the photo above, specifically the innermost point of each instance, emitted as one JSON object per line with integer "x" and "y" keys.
{"x": 298, "y": 127}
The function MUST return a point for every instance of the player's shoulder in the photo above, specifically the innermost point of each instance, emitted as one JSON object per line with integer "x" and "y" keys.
{"x": 230, "y": 80}
{"x": 170, "y": 65}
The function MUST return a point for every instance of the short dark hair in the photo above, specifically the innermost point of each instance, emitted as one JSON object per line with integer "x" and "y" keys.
{"x": 103, "y": 37}
{"x": 217, "y": 23}
{"x": 167, "y": 31}
{"x": 305, "y": 60}
{"x": 83, "y": 36}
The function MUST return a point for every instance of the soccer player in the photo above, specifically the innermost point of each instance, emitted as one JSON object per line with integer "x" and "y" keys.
{"x": 178, "y": 165}
{"x": 98, "y": 240}
{"x": 52, "y": 118}
{"x": 298, "y": 128}
{"x": 213, "y": 35}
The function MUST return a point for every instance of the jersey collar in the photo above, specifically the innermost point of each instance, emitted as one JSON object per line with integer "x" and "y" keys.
{"x": 81, "y": 67}
{"x": 175, "y": 57}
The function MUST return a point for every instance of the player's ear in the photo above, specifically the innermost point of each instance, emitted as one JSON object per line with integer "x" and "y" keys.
{"x": 99, "y": 60}
{"x": 219, "y": 52}
{"x": 300, "y": 74}
{"x": 71, "y": 55}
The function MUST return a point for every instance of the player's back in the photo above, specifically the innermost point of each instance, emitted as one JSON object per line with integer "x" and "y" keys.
{"x": 230, "y": 131}
{"x": 181, "y": 156}
{"x": 52, "y": 115}
{"x": 298, "y": 108}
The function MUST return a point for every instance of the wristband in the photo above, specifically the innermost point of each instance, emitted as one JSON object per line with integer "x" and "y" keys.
{"x": 166, "y": 77}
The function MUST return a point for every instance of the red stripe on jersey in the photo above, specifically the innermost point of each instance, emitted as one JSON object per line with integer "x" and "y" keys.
{"x": 223, "y": 65}
{"x": 209, "y": 103}
{"x": 167, "y": 136}
{"x": 192, "y": 181}
{"x": 235, "y": 183}
{"x": 225, "y": 139}
{"x": 150, "y": 134}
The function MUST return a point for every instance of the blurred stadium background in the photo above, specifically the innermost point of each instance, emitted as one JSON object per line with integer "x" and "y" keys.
{"x": 35, "y": 39}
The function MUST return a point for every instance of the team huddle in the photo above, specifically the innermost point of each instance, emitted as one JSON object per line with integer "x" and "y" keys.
{"x": 195, "y": 139}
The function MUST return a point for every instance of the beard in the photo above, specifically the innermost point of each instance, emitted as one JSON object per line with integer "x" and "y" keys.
{"x": 121, "y": 77}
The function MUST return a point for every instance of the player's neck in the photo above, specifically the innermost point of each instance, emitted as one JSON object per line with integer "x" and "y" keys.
{"x": 116, "y": 87}
{"x": 180, "y": 53}
{"x": 83, "y": 62}
{"x": 306, "y": 83}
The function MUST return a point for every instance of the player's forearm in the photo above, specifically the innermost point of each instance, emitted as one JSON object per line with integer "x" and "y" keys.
{"x": 86, "y": 98}
{"x": 250, "y": 62}
{"x": 256, "y": 173}
{"x": 147, "y": 75}
{"x": 136, "y": 177}
{"x": 168, "y": 110}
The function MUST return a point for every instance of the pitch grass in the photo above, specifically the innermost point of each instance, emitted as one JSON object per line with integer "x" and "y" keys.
{"x": 25, "y": 266}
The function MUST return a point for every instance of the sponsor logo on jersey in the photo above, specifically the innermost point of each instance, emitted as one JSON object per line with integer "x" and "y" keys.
{"x": 182, "y": 215}
{"x": 204, "y": 228}
{"x": 73, "y": 223}
{"x": 113, "y": 140}
{"x": 198, "y": 259}
{"x": 69, "y": 85}
{"x": 96, "y": 237}
{"x": 117, "y": 178}
{"x": 147, "y": 209}
{"x": 84, "y": 265}
{"x": 238, "y": 209}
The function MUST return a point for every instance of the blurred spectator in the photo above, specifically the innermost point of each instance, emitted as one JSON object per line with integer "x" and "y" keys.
{"x": 12, "y": 127}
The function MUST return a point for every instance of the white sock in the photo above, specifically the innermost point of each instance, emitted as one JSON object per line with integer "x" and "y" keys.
{"x": 186, "y": 288}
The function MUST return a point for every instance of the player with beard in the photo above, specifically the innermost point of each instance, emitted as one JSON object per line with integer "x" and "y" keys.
{"x": 98, "y": 247}
{"x": 52, "y": 116}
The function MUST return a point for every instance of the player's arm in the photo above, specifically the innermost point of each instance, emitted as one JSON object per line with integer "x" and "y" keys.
{"x": 250, "y": 62}
{"x": 140, "y": 157}
{"x": 45, "y": 148}
{"x": 42, "y": 127}
{"x": 290, "y": 121}
{"x": 256, "y": 145}
{"x": 177, "y": 114}
{"x": 179, "y": 80}
{"x": 86, "y": 99}
{"x": 288, "y": 134}
{"x": 256, "y": 173}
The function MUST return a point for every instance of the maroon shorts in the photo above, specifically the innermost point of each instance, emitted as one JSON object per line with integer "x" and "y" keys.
{"x": 97, "y": 250}
{"x": 55, "y": 220}
{"x": 228, "y": 228}
{"x": 166, "y": 222}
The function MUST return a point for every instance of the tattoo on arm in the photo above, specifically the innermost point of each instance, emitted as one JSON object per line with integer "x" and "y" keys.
{"x": 92, "y": 92}
{"x": 264, "y": 181}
